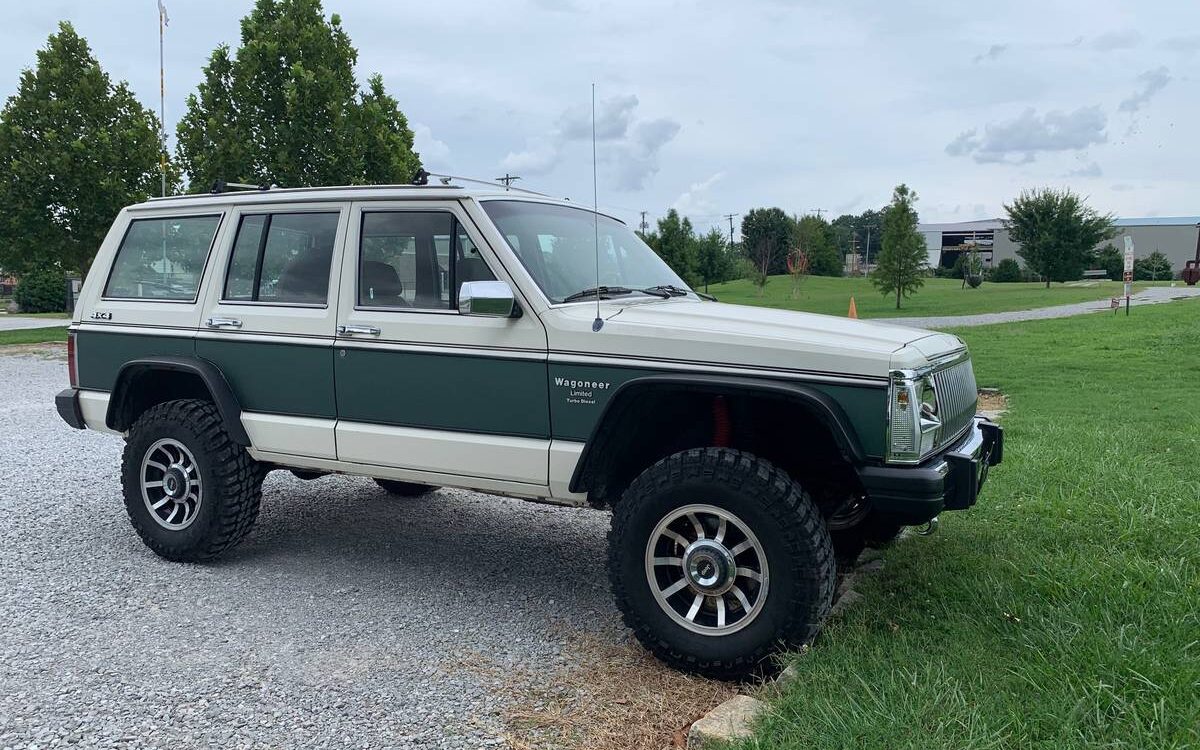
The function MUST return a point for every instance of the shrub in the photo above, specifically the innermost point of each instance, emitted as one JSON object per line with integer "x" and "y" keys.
{"x": 1006, "y": 271}
{"x": 1154, "y": 267}
{"x": 44, "y": 290}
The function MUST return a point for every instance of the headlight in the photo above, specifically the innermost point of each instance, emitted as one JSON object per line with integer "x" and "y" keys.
{"x": 913, "y": 420}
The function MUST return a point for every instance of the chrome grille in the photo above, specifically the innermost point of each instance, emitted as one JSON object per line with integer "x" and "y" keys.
{"x": 957, "y": 397}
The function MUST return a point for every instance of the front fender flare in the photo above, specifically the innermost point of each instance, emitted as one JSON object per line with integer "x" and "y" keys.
{"x": 822, "y": 406}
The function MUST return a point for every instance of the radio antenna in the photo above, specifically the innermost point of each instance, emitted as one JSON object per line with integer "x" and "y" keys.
{"x": 598, "y": 323}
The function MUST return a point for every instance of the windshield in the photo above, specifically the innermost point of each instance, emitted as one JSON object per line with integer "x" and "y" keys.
{"x": 557, "y": 246}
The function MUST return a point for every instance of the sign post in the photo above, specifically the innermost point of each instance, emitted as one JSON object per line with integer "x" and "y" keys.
{"x": 1128, "y": 271}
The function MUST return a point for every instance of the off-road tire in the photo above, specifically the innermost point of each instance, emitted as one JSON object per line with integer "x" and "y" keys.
{"x": 786, "y": 522}
{"x": 232, "y": 481}
{"x": 404, "y": 489}
{"x": 873, "y": 531}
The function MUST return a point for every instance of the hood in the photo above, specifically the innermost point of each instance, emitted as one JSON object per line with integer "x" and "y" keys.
{"x": 689, "y": 330}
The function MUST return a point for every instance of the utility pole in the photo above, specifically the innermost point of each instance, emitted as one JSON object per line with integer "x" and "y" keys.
{"x": 867, "y": 261}
{"x": 643, "y": 223}
{"x": 819, "y": 211}
{"x": 730, "y": 217}
{"x": 508, "y": 179}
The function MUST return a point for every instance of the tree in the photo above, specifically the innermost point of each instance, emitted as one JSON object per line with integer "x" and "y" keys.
{"x": 1111, "y": 260}
{"x": 901, "y": 263}
{"x": 816, "y": 238}
{"x": 76, "y": 149}
{"x": 675, "y": 243}
{"x": 714, "y": 258}
{"x": 852, "y": 233}
{"x": 1057, "y": 231}
{"x": 972, "y": 268}
{"x": 768, "y": 232}
{"x": 287, "y": 109}
{"x": 798, "y": 267}
{"x": 1154, "y": 267}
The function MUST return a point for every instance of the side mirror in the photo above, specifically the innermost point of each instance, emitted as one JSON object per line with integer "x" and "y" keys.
{"x": 493, "y": 299}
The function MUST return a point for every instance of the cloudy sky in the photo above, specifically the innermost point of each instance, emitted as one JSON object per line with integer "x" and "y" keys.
{"x": 714, "y": 107}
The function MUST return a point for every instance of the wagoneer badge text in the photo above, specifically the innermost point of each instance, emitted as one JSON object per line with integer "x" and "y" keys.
{"x": 582, "y": 391}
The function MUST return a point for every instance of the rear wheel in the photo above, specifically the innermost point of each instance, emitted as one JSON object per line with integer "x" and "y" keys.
{"x": 716, "y": 558}
{"x": 190, "y": 491}
{"x": 405, "y": 489}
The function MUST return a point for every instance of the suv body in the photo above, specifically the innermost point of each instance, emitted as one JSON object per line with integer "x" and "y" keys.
{"x": 437, "y": 336}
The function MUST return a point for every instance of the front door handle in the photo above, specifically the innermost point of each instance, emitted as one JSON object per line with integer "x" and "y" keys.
{"x": 223, "y": 323}
{"x": 358, "y": 330}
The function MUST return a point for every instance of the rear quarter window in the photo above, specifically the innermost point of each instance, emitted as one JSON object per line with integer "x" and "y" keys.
{"x": 162, "y": 258}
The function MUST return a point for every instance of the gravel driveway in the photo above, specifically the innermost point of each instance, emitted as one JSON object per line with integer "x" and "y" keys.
{"x": 347, "y": 618}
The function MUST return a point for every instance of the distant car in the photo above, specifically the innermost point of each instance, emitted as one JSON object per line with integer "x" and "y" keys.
{"x": 513, "y": 344}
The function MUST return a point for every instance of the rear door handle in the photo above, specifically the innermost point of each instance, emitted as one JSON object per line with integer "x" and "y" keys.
{"x": 358, "y": 330}
{"x": 223, "y": 323}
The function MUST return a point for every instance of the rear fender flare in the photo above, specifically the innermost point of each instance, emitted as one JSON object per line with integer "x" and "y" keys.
{"x": 121, "y": 403}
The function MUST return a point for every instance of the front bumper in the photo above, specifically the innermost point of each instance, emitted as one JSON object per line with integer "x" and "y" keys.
{"x": 67, "y": 403}
{"x": 946, "y": 481}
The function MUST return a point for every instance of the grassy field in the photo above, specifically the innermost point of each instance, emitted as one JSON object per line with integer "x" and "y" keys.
{"x": 62, "y": 315}
{"x": 831, "y": 296}
{"x": 33, "y": 335}
{"x": 1063, "y": 611}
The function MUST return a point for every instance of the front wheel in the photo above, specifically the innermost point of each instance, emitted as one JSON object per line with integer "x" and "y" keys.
{"x": 716, "y": 558}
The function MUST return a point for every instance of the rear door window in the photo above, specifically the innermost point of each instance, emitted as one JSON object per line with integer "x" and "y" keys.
{"x": 282, "y": 258}
{"x": 162, "y": 258}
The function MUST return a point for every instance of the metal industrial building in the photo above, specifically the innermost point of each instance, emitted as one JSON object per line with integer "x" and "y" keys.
{"x": 1175, "y": 237}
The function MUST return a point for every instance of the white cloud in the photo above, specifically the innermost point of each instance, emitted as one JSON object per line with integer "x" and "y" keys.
{"x": 539, "y": 157}
{"x": 1152, "y": 82}
{"x": 1089, "y": 170}
{"x": 433, "y": 152}
{"x": 697, "y": 200}
{"x": 1117, "y": 39}
{"x": 1018, "y": 141}
{"x": 613, "y": 117}
{"x": 992, "y": 53}
{"x": 629, "y": 147}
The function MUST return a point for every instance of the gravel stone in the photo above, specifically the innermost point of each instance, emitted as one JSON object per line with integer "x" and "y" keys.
{"x": 347, "y": 618}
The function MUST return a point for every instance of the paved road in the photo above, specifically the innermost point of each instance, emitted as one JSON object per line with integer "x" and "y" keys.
{"x": 1150, "y": 296}
{"x": 17, "y": 322}
{"x": 348, "y": 618}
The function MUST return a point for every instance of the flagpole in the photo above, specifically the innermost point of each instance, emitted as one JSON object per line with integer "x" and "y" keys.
{"x": 162, "y": 98}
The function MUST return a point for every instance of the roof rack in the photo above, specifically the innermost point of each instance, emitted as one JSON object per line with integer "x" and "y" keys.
{"x": 422, "y": 179}
{"x": 221, "y": 186}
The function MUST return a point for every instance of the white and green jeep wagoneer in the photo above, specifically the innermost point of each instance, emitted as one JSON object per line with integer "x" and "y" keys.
{"x": 431, "y": 335}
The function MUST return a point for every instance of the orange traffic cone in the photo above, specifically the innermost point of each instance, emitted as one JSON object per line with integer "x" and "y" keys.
{"x": 853, "y": 310}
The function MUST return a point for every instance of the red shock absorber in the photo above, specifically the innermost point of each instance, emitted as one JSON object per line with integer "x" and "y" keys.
{"x": 722, "y": 427}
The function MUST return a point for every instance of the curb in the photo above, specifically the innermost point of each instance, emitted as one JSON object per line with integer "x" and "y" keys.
{"x": 733, "y": 720}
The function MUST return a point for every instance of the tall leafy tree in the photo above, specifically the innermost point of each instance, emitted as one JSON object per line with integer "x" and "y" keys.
{"x": 675, "y": 242}
{"x": 714, "y": 259}
{"x": 900, "y": 269}
{"x": 767, "y": 235}
{"x": 816, "y": 238}
{"x": 76, "y": 148}
{"x": 1057, "y": 232}
{"x": 286, "y": 109}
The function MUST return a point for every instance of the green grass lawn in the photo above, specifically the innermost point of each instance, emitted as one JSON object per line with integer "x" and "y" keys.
{"x": 1063, "y": 610}
{"x": 33, "y": 335}
{"x": 823, "y": 294}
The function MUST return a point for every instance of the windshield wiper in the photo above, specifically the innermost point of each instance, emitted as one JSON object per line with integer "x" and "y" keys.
{"x": 677, "y": 291}
{"x": 599, "y": 291}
